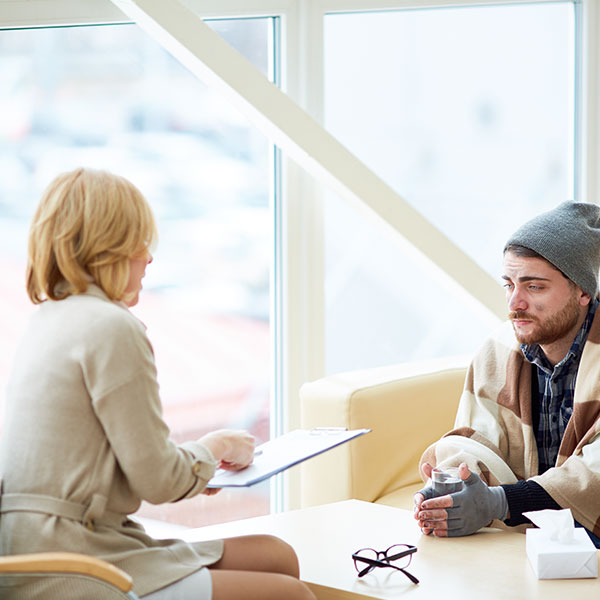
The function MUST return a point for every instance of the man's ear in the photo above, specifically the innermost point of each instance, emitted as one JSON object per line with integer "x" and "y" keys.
{"x": 584, "y": 298}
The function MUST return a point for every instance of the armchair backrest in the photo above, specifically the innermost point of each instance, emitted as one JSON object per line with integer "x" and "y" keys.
{"x": 408, "y": 407}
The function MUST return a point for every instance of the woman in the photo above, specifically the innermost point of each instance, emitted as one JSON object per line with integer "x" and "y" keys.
{"x": 84, "y": 441}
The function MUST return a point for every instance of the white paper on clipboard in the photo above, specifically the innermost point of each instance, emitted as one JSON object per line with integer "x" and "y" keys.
{"x": 284, "y": 452}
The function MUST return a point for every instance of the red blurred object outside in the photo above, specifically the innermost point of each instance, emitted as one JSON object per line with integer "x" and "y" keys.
{"x": 213, "y": 373}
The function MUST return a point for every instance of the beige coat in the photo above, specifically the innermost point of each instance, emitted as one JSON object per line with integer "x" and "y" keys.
{"x": 84, "y": 442}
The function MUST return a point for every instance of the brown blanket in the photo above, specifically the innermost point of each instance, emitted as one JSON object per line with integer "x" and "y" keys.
{"x": 494, "y": 432}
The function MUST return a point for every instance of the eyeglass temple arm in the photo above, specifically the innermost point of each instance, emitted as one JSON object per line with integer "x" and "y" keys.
{"x": 380, "y": 563}
{"x": 409, "y": 575}
{"x": 408, "y": 552}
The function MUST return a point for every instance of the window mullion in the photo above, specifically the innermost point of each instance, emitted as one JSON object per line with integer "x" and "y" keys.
{"x": 588, "y": 105}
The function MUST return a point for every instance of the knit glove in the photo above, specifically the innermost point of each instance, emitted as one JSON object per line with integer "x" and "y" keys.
{"x": 476, "y": 506}
{"x": 429, "y": 492}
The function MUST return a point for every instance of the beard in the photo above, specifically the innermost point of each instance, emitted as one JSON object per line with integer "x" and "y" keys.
{"x": 553, "y": 328}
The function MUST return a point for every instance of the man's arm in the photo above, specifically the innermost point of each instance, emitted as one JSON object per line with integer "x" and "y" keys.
{"x": 525, "y": 496}
{"x": 461, "y": 513}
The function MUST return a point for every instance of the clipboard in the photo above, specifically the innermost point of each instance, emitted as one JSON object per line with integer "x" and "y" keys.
{"x": 284, "y": 452}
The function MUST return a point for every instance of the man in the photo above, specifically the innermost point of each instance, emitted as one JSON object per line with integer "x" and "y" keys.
{"x": 527, "y": 432}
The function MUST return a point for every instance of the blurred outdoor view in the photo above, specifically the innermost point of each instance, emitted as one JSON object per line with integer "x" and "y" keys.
{"x": 468, "y": 113}
{"x": 110, "y": 97}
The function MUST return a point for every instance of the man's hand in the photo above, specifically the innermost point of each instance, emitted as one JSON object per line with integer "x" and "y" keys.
{"x": 462, "y": 513}
{"x": 437, "y": 528}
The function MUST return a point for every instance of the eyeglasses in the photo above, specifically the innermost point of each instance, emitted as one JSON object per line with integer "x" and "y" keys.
{"x": 396, "y": 557}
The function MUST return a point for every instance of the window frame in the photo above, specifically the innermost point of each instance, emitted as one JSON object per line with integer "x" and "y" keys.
{"x": 298, "y": 289}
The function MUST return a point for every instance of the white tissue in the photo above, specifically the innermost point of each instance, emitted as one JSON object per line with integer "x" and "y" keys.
{"x": 558, "y": 549}
{"x": 556, "y": 525}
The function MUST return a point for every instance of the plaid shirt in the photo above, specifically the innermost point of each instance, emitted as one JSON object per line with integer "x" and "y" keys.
{"x": 556, "y": 388}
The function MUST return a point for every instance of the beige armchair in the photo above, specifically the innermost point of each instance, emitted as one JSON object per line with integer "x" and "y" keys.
{"x": 408, "y": 407}
{"x": 64, "y": 576}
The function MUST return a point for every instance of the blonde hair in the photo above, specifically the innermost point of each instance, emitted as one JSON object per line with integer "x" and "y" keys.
{"x": 87, "y": 227}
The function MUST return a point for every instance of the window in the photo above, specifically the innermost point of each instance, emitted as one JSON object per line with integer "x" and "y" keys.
{"x": 468, "y": 113}
{"x": 109, "y": 97}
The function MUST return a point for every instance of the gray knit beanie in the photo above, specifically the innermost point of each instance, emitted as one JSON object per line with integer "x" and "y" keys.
{"x": 569, "y": 238}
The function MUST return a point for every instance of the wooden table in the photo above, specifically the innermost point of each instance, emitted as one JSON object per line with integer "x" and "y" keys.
{"x": 489, "y": 564}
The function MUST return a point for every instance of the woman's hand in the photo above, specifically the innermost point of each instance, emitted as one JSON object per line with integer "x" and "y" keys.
{"x": 233, "y": 449}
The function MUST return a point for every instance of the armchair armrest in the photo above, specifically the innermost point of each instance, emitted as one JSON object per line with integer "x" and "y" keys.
{"x": 66, "y": 562}
{"x": 407, "y": 406}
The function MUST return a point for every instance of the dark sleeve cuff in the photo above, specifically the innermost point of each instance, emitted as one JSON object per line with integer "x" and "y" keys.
{"x": 525, "y": 496}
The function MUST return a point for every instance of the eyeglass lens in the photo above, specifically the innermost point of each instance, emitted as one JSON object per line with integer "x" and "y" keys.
{"x": 397, "y": 554}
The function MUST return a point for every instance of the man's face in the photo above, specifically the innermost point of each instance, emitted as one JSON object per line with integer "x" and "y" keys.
{"x": 544, "y": 306}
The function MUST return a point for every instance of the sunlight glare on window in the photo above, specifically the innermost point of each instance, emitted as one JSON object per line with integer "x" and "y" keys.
{"x": 111, "y": 98}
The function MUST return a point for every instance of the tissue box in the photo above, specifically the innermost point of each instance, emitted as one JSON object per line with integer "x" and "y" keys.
{"x": 552, "y": 559}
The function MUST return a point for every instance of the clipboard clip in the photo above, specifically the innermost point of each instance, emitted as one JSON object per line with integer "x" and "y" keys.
{"x": 327, "y": 430}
